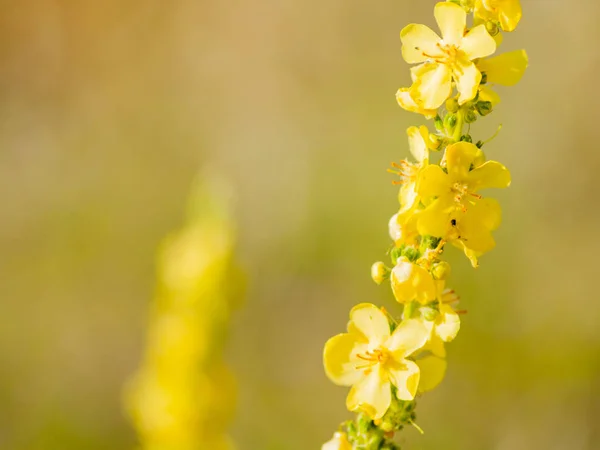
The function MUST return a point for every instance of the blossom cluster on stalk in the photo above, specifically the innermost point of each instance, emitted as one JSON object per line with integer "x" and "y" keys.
{"x": 385, "y": 361}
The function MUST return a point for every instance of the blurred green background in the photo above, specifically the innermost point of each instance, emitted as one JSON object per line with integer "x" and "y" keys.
{"x": 107, "y": 111}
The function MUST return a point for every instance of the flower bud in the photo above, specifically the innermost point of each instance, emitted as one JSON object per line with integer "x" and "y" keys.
{"x": 440, "y": 270}
{"x": 483, "y": 78}
{"x": 449, "y": 123}
{"x": 429, "y": 314}
{"x": 466, "y": 138}
{"x": 439, "y": 125}
{"x": 470, "y": 116}
{"x": 452, "y": 105}
{"x": 379, "y": 272}
{"x": 484, "y": 108}
{"x": 492, "y": 28}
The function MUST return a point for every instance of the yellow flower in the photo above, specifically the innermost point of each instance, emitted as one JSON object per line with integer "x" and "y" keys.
{"x": 457, "y": 213}
{"x": 505, "y": 69}
{"x": 338, "y": 442}
{"x": 445, "y": 60}
{"x": 412, "y": 282}
{"x": 408, "y": 171}
{"x": 507, "y": 12}
{"x": 371, "y": 359}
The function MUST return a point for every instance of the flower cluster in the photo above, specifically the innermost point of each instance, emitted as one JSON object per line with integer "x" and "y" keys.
{"x": 443, "y": 200}
{"x": 184, "y": 395}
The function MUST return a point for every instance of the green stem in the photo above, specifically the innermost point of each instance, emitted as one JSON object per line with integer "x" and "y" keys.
{"x": 459, "y": 125}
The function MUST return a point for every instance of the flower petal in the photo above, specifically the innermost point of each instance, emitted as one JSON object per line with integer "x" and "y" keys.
{"x": 490, "y": 174}
{"x": 459, "y": 157}
{"x": 434, "y": 219}
{"x": 433, "y": 87}
{"x": 409, "y": 336}
{"x": 417, "y": 145}
{"x": 433, "y": 182}
{"x": 478, "y": 43}
{"x": 419, "y": 43}
{"x": 505, "y": 69}
{"x": 447, "y": 323}
{"x": 340, "y": 360}
{"x": 484, "y": 213}
{"x": 467, "y": 78}
{"x": 452, "y": 20}
{"x": 510, "y": 14}
{"x": 433, "y": 369}
{"x": 405, "y": 377}
{"x": 407, "y": 102}
{"x": 486, "y": 94}
{"x": 372, "y": 394}
{"x": 369, "y": 320}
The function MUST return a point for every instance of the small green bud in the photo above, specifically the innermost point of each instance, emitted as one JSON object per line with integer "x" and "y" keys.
{"x": 396, "y": 253}
{"x": 452, "y": 105}
{"x": 440, "y": 270}
{"x": 466, "y": 138}
{"x": 379, "y": 272}
{"x": 492, "y": 28}
{"x": 470, "y": 116}
{"x": 439, "y": 125}
{"x": 449, "y": 122}
{"x": 411, "y": 253}
{"x": 484, "y": 108}
{"x": 429, "y": 313}
{"x": 483, "y": 78}
{"x": 479, "y": 144}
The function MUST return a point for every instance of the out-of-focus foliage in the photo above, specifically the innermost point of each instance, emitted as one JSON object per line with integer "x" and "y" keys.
{"x": 184, "y": 396}
{"x": 108, "y": 109}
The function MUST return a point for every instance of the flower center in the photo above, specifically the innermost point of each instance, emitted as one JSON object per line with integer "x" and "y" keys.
{"x": 448, "y": 54}
{"x": 461, "y": 190}
{"x": 372, "y": 357}
{"x": 405, "y": 170}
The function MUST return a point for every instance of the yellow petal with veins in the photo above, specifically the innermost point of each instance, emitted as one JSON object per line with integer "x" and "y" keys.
{"x": 372, "y": 394}
{"x": 478, "y": 43}
{"x": 406, "y": 101}
{"x": 340, "y": 360}
{"x": 408, "y": 337}
{"x": 406, "y": 379}
{"x": 369, "y": 320}
{"x": 505, "y": 69}
{"x": 452, "y": 20}
{"x": 419, "y": 43}
{"x": 467, "y": 79}
{"x": 433, "y": 86}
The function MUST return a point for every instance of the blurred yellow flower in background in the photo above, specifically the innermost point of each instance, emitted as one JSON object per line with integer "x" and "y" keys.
{"x": 183, "y": 396}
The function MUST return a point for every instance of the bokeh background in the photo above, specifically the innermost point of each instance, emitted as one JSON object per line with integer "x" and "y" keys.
{"x": 107, "y": 111}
